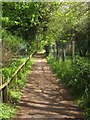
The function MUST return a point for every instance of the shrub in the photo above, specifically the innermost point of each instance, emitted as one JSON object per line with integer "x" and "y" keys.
{"x": 7, "y": 111}
{"x": 12, "y": 42}
{"x": 76, "y": 77}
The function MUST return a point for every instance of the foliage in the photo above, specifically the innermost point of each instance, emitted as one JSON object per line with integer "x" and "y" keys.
{"x": 23, "y": 20}
{"x": 47, "y": 22}
{"x": 50, "y": 23}
{"x": 76, "y": 77}
{"x": 70, "y": 22}
{"x": 27, "y": 19}
{"x": 11, "y": 42}
{"x": 7, "y": 111}
{"x": 15, "y": 95}
{"x": 8, "y": 71}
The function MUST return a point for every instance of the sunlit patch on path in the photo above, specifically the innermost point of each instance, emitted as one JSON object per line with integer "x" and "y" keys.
{"x": 44, "y": 96}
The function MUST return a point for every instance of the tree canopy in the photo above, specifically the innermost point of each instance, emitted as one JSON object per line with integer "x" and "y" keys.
{"x": 49, "y": 22}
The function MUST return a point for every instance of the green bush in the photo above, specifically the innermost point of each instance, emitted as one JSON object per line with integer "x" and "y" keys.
{"x": 76, "y": 78}
{"x": 12, "y": 42}
{"x": 8, "y": 72}
{"x": 7, "y": 111}
{"x": 21, "y": 78}
{"x": 15, "y": 95}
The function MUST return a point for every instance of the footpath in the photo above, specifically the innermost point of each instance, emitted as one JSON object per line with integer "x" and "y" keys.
{"x": 45, "y": 97}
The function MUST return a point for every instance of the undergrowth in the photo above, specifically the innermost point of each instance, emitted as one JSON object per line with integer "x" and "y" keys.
{"x": 9, "y": 70}
{"x": 10, "y": 62}
{"x": 76, "y": 78}
{"x": 15, "y": 95}
{"x": 12, "y": 42}
{"x": 9, "y": 110}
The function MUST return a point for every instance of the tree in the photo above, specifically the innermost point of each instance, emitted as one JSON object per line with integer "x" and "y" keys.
{"x": 21, "y": 18}
{"x": 70, "y": 21}
{"x": 49, "y": 22}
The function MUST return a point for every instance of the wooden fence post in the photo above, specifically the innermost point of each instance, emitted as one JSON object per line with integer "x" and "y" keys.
{"x": 73, "y": 50}
{"x": 5, "y": 94}
{"x": 15, "y": 81}
{"x": 1, "y": 97}
{"x": 20, "y": 72}
{"x": 51, "y": 50}
{"x": 25, "y": 65}
{"x": 64, "y": 54}
{"x": 23, "y": 68}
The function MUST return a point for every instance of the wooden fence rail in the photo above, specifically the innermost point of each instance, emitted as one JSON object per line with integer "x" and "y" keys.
{"x": 4, "y": 87}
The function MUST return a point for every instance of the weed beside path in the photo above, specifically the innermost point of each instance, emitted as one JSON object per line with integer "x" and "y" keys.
{"x": 44, "y": 96}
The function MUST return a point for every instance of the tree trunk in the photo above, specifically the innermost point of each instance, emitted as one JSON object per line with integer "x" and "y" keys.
{"x": 64, "y": 54}
{"x": 57, "y": 51}
{"x": 73, "y": 50}
{"x": 1, "y": 97}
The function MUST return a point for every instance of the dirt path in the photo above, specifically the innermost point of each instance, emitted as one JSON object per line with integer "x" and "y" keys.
{"x": 45, "y": 98}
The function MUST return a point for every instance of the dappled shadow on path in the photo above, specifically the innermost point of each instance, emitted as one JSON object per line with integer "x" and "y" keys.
{"x": 45, "y": 97}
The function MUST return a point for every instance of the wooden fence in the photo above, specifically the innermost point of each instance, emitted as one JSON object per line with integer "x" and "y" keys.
{"x": 4, "y": 87}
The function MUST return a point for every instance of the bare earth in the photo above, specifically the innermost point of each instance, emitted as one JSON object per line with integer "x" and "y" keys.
{"x": 44, "y": 97}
